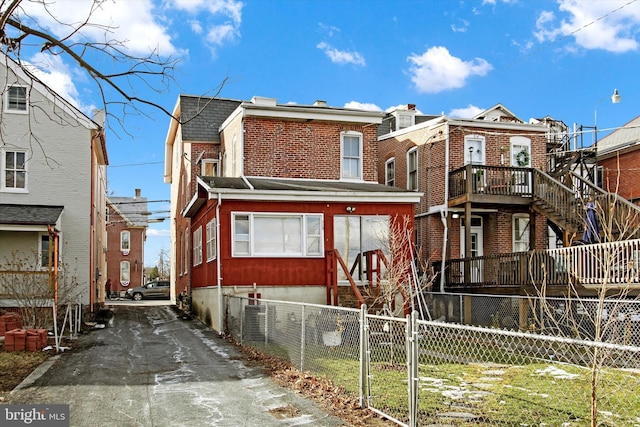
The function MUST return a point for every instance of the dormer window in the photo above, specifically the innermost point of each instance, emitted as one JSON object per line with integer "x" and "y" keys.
{"x": 209, "y": 168}
{"x": 405, "y": 121}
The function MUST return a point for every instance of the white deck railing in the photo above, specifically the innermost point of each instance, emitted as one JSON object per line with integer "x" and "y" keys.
{"x": 612, "y": 263}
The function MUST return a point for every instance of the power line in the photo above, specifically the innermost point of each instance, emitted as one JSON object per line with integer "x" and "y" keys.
{"x": 136, "y": 164}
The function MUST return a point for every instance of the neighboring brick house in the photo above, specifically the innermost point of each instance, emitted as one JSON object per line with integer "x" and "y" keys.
{"x": 435, "y": 154}
{"x": 126, "y": 233}
{"x": 618, "y": 157}
{"x": 52, "y": 188}
{"x": 290, "y": 185}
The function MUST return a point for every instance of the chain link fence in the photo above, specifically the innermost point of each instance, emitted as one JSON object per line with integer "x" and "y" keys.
{"x": 418, "y": 372}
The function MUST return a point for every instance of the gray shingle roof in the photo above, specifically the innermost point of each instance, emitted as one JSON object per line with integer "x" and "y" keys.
{"x": 133, "y": 209}
{"x": 299, "y": 185}
{"x": 202, "y": 116}
{"x": 626, "y": 136}
{"x": 30, "y": 214}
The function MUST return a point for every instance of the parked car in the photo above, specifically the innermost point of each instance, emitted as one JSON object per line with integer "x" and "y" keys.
{"x": 157, "y": 289}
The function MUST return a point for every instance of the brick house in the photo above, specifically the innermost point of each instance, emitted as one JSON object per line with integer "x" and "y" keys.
{"x": 126, "y": 234}
{"x": 265, "y": 194}
{"x": 618, "y": 157}
{"x": 491, "y": 213}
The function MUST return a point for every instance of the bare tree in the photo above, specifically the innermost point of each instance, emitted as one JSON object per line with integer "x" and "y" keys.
{"x": 612, "y": 271}
{"x": 118, "y": 73}
{"x": 407, "y": 274}
{"x": 34, "y": 290}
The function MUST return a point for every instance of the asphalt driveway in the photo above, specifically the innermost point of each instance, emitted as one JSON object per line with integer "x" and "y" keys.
{"x": 150, "y": 368}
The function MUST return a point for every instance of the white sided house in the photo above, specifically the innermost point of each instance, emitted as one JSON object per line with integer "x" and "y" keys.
{"x": 52, "y": 194}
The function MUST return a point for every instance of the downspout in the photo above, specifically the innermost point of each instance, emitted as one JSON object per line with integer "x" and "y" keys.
{"x": 218, "y": 265}
{"x": 445, "y": 212}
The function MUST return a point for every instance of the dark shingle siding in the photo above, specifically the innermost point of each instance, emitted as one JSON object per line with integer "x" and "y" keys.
{"x": 202, "y": 116}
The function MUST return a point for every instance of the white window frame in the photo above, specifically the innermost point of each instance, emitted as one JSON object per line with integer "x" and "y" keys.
{"x": 209, "y": 164}
{"x": 390, "y": 166}
{"x": 344, "y": 157}
{"x": 515, "y": 240}
{"x": 306, "y": 235}
{"x": 7, "y": 95}
{"x": 125, "y": 237}
{"x": 24, "y": 170}
{"x": 125, "y": 272}
{"x": 197, "y": 246}
{"x": 185, "y": 261}
{"x": 404, "y": 120}
{"x": 211, "y": 240}
{"x": 412, "y": 186}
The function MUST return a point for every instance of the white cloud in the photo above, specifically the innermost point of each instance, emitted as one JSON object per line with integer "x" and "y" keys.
{"x": 462, "y": 28}
{"x": 610, "y": 25}
{"x": 362, "y": 106}
{"x": 52, "y": 71}
{"x": 131, "y": 22}
{"x": 465, "y": 113}
{"x": 436, "y": 70}
{"x": 152, "y": 232}
{"x": 221, "y": 18}
{"x": 400, "y": 107}
{"x": 340, "y": 56}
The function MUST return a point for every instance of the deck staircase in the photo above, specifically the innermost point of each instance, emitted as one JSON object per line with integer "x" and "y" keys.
{"x": 566, "y": 207}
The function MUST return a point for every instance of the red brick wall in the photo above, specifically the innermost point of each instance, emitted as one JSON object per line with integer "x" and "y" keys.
{"x": 115, "y": 226}
{"x": 296, "y": 149}
{"x": 622, "y": 174}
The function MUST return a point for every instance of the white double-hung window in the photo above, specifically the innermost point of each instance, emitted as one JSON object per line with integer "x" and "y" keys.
{"x": 197, "y": 246}
{"x": 211, "y": 240}
{"x": 13, "y": 166}
{"x": 15, "y": 99}
{"x": 351, "y": 150}
{"x": 277, "y": 234}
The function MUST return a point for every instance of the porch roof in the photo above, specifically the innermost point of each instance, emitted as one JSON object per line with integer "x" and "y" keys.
{"x": 13, "y": 216}
{"x": 298, "y": 190}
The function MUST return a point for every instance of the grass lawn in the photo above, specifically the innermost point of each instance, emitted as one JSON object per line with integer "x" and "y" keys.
{"x": 534, "y": 394}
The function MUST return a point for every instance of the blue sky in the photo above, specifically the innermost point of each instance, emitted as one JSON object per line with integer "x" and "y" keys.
{"x": 560, "y": 58}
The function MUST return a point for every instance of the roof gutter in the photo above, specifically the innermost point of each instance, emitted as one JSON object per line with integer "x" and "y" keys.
{"x": 444, "y": 213}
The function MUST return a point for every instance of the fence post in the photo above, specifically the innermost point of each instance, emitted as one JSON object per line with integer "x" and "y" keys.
{"x": 364, "y": 357}
{"x": 266, "y": 324}
{"x": 412, "y": 363}
{"x": 302, "y": 340}
{"x": 242, "y": 314}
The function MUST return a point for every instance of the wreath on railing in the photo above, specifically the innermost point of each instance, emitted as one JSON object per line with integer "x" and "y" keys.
{"x": 522, "y": 158}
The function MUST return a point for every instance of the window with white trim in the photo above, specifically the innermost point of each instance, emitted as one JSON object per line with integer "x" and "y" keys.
{"x": 520, "y": 233}
{"x": 278, "y": 234}
{"x": 351, "y": 149}
{"x": 125, "y": 241}
{"x": 185, "y": 260}
{"x": 45, "y": 250}
{"x": 15, "y": 99}
{"x": 197, "y": 246}
{"x": 390, "y": 172}
{"x": 211, "y": 240}
{"x": 209, "y": 168}
{"x": 14, "y": 170}
{"x": 125, "y": 272}
{"x": 412, "y": 169}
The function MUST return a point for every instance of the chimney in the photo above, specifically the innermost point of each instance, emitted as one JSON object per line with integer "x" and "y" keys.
{"x": 137, "y": 193}
{"x": 411, "y": 107}
{"x": 320, "y": 103}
